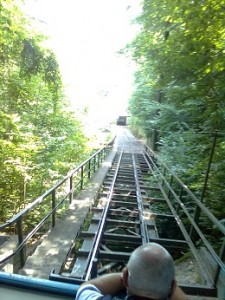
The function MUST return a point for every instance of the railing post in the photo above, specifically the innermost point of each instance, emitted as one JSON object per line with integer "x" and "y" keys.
{"x": 99, "y": 159}
{"x": 53, "y": 207}
{"x": 104, "y": 153}
{"x": 164, "y": 175}
{"x": 198, "y": 210}
{"x": 171, "y": 181}
{"x": 94, "y": 163}
{"x": 89, "y": 168}
{"x": 180, "y": 197}
{"x": 71, "y": 189}
{"x": 222, "y": 256}
{"x": 81, "y": 177}
{"x": 154, "y": 139}
{"x": 209, "y": 167}
{"x": 20, "y": 240}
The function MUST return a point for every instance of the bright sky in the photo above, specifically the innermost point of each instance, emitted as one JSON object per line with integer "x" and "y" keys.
{"x": 85, "y": 35}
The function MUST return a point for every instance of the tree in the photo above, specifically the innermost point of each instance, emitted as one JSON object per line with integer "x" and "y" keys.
{"x": 40, "y": 139}
{"x": 180, "y": 89}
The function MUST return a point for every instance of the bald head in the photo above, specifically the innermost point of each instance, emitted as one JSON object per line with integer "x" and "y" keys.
{"x": 150, "y": 272}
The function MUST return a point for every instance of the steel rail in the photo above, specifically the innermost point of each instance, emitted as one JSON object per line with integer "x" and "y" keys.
{"x": 98, "y": 236}
{"x": 143, "y": 226}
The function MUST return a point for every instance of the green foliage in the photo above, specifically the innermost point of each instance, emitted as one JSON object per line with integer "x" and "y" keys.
{"x": 40, "y": 139}
{"x": 180, "y": 87}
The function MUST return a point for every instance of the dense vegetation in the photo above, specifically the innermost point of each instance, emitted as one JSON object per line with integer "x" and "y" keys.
{"x": 180, "y": 89}
{"x": 40, "y": 139}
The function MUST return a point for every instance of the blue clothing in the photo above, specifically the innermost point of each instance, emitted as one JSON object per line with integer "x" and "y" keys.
{"x": 91, "y": 292}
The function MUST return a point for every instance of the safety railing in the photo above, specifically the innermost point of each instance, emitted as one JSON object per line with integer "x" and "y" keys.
{"x": 50, "y": 203}
{"x": 194, "y": 217}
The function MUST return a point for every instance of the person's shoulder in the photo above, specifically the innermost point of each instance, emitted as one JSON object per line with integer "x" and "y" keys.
{"x": 88, "y": 286}
{"x": 88, "y": 291}
{"x": 91, "y": 292}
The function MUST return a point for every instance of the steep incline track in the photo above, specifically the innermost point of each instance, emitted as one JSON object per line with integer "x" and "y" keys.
{"x": 120, "y": 222}
{"x": 130, "y": 210}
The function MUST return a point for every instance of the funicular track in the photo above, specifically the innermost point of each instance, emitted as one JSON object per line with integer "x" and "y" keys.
{"x": 130, "y": 210}
{"x": 117, "y": 225}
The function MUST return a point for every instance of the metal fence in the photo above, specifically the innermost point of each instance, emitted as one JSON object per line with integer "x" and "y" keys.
{"x": 53, "y": 200}
{"x": 203, "y": 231}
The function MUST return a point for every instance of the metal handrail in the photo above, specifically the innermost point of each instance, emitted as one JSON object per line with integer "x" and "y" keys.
{"x": 192, "y": 195}
{"x": 204, "y": 209}
{"x": 92, "y": 163}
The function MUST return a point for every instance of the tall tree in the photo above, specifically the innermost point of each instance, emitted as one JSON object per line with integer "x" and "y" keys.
{"x": 40, "y": 139}
{"x": 180, "y": 84}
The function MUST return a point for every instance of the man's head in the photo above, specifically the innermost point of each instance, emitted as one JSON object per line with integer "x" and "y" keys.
{"x": 150, "y": 272}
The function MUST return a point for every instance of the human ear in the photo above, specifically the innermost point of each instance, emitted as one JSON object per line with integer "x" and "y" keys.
{"x": 173, "y": 286}
{"x": 177, "y": 293}
{"x": 125, "y": 276}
